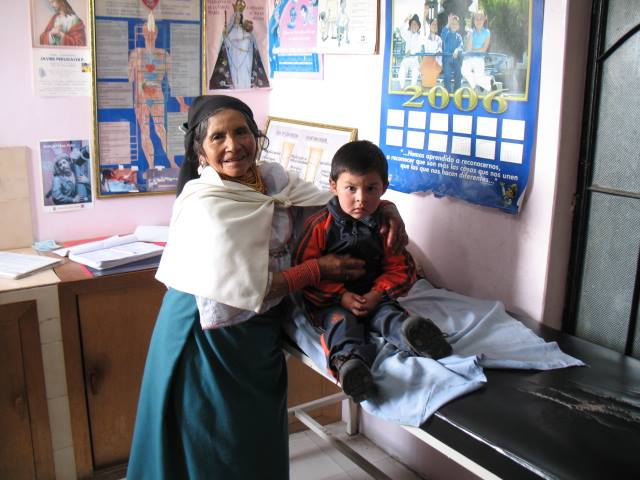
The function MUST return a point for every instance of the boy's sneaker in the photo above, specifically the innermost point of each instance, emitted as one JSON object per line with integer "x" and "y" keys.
{"x": 425, "y": 337}
{"x": 356, "y": 379}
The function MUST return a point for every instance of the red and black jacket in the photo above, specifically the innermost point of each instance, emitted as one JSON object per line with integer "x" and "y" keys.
{"x": 333, "y": 231}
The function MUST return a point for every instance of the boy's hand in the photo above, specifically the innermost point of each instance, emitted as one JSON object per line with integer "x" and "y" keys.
{"x": 371, "y": 301}
{"x": 354, "y": 303}
{"x": 361, "y": 305}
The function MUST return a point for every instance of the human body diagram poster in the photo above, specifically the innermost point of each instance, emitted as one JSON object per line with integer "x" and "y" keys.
{"x": 147, "y": 70}
{"x": 460, "y": 99}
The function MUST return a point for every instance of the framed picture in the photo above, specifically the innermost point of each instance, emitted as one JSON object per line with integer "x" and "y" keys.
{"x": 305, "y": 148}
{"x": 59, "y": 23}
{"x": 147, "y": 70}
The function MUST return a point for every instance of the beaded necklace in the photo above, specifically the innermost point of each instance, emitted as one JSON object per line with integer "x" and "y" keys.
{"x": 252, "y": 180}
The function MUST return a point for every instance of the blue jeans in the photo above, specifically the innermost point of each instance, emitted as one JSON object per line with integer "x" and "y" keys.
{"x": 451, "y": 67}
{"x": 348, "y": 335}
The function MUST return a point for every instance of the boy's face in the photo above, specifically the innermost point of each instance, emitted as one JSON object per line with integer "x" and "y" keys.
{"x": 358, "y": 194}
{"x": 454, "y": 25}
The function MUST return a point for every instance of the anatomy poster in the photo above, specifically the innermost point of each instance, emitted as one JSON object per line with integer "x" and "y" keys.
{"x": 147, "y": 72}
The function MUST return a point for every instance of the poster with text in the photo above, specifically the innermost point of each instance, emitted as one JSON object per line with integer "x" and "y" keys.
{"x": 148, "y": 69}
{"x": 292, "y": 39}
{"x": 460, "y": 99}
{"x": 236, "y": 37}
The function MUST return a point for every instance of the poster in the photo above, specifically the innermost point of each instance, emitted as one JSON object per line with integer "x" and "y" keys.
{"x": 62, "y": 73}
{"x": 456, "y": 120}
{"x": 236, "y": 44}
{"x": 305, "y": 148}
{"x": 347, "y": 26}
{"x": 292, "y": 39}
{"x": 65, "y": 167}
{"x": 59, "y": 23}
{"x": 147, "y": 71}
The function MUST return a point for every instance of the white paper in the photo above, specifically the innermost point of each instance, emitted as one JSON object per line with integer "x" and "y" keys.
{"x": 395, "y": 118}
{"x": 461, "y": 145}
{"x": 147, "y": 233}
{"x": 97, "y": 245}
{"x": 62, "y": 73}
{"x": 17, "y": 265}
{"x": 486, "y": 126}
{"x": 415, "y": 139}
{"x": 486, "y": 149}
{"x": 439, "y": 121}
{"x": 438, "y": 142}
{"x": 511, "y": 152}
{"x": 513, "y": 129}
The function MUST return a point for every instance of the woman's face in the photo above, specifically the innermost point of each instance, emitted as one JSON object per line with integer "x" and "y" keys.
{"x": 434, "y": 26}
{"x": 478, "y": 20}
{"x": 230, "y": 146}
{"x": 413, "y": 26}
{"x": 55, "y": 4}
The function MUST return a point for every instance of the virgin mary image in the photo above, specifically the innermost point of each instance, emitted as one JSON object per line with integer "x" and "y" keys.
{"x": 238, "y": 65}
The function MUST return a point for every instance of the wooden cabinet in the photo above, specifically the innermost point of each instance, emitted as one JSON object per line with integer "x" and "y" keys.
{"x": 25, "y": 448}
{"x": 106, "y": 327}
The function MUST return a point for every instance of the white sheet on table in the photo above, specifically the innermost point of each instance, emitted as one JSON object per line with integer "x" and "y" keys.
{"x": 482, "y": 334}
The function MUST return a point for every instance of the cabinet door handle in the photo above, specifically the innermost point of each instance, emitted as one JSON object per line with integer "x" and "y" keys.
{"x": 94, "y": 381}
{"x": 20, "y": 405}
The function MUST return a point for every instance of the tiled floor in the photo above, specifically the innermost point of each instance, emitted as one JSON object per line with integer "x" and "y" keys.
{"x": 311, "y": 458}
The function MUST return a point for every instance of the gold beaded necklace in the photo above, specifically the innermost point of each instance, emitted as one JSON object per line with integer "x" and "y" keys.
{"x": 252, "y": 180}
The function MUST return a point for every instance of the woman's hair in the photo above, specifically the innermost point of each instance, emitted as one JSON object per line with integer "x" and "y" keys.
{"x": 360, "y": 157}
{"x": 189, "y": 167}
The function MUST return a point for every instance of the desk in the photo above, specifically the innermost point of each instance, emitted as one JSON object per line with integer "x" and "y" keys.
{"x": 577, "y": 423}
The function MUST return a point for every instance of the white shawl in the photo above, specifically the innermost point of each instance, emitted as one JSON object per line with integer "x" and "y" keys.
{"x": 218, "y": 245}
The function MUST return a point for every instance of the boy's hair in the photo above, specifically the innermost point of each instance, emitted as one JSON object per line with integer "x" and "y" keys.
{"x": 360, "y": 157}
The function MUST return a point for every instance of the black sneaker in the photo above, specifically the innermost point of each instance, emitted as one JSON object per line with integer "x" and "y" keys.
{"x": 356, "y": 379}
{"x": 425, "y": 337}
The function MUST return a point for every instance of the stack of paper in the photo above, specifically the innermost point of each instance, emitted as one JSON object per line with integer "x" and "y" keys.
{"x": 111, "y": 252}
{"x": 18, "y": 265}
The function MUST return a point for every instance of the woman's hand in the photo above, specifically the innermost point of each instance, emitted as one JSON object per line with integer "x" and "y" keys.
{"x": 392, "y": 228}
{"x": 341, "y": 268}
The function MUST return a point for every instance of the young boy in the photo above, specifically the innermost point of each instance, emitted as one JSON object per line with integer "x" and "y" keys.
{"x": 348, "y": 311}
{"x": 452, "y": 46}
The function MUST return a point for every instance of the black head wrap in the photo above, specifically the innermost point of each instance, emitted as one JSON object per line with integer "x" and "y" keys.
{"x": 201, "y": 109}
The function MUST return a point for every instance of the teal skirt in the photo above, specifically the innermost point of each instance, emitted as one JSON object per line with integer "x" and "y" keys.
{"x": 213, "y": 403}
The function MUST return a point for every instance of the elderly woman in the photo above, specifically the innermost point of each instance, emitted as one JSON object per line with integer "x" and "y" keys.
{"x": 213, "y": 396}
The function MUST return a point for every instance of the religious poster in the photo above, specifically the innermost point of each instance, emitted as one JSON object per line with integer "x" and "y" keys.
{"x": 236, "y": 44}
{"x": 460, "y": 98}
{"x": 59, "y": 23}
{"x": 148, "y": 70}
{"x": 65, "y": 167}
{"x": 347, "y": 26}
{"x": 292, "y": 39}
{"x": 305, "y": 148}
